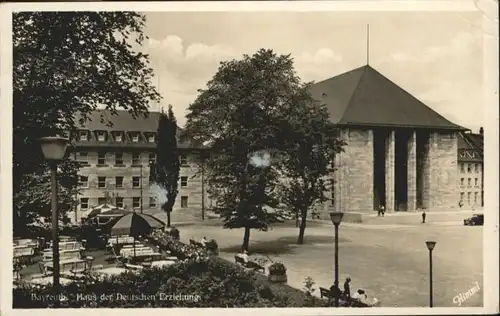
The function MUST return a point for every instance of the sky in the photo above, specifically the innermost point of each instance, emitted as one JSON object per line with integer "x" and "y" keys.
{"x": 435, "y": 56}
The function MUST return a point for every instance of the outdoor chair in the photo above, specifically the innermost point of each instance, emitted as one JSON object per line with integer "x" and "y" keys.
{"x": 240, "y": 260}
{"x": 325, "y": 293}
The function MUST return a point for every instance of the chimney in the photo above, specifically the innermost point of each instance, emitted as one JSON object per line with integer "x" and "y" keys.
{"x": 481, "y": 131}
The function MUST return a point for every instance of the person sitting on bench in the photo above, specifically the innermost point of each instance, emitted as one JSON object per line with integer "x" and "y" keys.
{"x": 203, "y": 241}
{"x": 244, "y": 256}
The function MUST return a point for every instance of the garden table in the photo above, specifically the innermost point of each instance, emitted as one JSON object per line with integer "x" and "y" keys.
{"x": 162, "y": 263}
{"x": 111, "y": 271}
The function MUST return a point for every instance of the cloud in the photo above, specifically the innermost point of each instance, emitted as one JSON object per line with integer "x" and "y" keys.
{"x": 460, "y": 45}
{"x": 183, "y": 68}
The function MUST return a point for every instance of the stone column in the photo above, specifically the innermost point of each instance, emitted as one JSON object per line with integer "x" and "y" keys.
{"x": 390, "y": 171}
{"x": 412, "y": 171}
{"x": 343, "y": 184}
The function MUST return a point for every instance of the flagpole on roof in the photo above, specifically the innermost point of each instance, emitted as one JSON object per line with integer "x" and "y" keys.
{"x": 367, "y": 44}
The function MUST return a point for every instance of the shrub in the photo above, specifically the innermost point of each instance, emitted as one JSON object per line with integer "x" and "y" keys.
{"x": 277, "y": 268}
{"x": 212, "y": 246}
{"x": 175, "y": 234}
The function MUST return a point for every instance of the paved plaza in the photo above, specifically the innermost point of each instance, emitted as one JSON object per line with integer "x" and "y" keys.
{"x": 390, "y": 261}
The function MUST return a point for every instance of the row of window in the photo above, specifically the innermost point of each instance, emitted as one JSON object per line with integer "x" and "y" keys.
{"x": 469, "y": 167}
{"x": 102, "y": 136}
{"x": 102, "y": 159}
{"x": 469, "y": 182}
{"x": 136, "y": 202}
{"x": 469, "y": 197}
{"x": 136, "y": 182}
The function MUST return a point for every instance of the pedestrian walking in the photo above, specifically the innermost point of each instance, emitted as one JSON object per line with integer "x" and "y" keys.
{"x": 347, "y": 288}
{"x": 423, "y": 216}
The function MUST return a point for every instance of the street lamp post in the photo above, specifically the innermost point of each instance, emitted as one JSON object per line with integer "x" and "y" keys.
{"x": 54, "y": 149}
{"x": 430, "y": 246}
{"x": 336, "y": 218}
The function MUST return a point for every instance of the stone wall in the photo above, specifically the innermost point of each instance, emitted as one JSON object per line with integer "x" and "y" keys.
{"x": 358, "y": 182}
{"x": 412, "y": 172}
{"x": 442, "y": 171}
{"x": 390, "y": 171}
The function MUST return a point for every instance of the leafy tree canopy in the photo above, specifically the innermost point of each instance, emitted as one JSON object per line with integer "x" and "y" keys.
{"x": 68, "y": 63}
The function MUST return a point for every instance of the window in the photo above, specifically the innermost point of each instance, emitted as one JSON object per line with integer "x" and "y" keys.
{"x": 183, "y": 159}
{"x": 83, "y": 136}
{"x": 469, "y": 169}
{"x": 462, "y": 195}
{"x": 102, "y": 200}
{"x": 83, "y": 182}
{"x": 136, "y": 182}
{"x": 135, "y": 137}
{"x": 101, "y": 182}
{"x": 151, "y": 138}
{"x": 462, "y": 182}
{"x": 83, "y": 158}
{"x": 119, "y": 159}
{"x": 475, "y": 197}
{"x": 184, "y": 181}
{"x": 101, "y": 158}
{"x": 101, "y": 136}
{"x": 462, "y": 167}
{"x": 118, "y": 137}
{"x": 475, "y": 182}
{"x": 119, "y": 202}
{"x": 119, "y": 182}
{"x": 152, "y": 157}
{"x": 184, "y": 201}
{"x": 136, "y": 159}
{"x": 84, "y": 203}
{"x": 152, "y": 201}
{"x": 136, "y": 202}
{"x": 468, "y": 197}
{"x": 476, "y": 167}
{"x": 469, "y": 182}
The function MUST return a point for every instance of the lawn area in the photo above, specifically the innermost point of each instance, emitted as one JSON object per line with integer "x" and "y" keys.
{"x": 390, "y": 263}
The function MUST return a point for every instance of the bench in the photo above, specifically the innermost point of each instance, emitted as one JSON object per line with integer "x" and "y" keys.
{"x": 255, "y": 266}
{"x": 196, "y": 243}
{"x": 325, "y": 293}
{"x": 239, "y": 260}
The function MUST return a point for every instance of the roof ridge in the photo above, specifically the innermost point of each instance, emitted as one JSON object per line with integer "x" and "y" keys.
{"x": 412, "y": 96}
{"x": 354, "y": 90}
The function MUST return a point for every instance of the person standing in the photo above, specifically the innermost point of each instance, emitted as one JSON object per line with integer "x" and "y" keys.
{"x": 423, "y": 216}
{"x": 347, "y": 288}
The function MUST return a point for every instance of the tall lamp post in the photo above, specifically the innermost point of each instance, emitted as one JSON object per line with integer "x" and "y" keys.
{"x": 430, "y": 246}
{"x": 336, "y": 218}
{"x": 141, "y": 188}
{"x": 54, "y": 149}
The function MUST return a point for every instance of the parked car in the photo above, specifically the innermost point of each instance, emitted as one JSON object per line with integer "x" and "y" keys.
{"x": 476, "y": 219}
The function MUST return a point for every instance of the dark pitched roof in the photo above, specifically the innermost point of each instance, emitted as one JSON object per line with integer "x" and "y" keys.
{"x": 364, "y": 97}
{"x": 470, "y": 141}
{"x": 104, "y": 120}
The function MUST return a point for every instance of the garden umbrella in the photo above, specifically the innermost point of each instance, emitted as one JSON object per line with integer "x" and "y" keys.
{"x": 135, "y": 224}
{"x": 106, "y": 209}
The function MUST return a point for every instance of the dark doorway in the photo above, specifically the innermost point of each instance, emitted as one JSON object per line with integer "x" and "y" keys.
{"x": 422, "y": 149}
{"x": 379, "y": 157}
{"x": 401, "y": 169}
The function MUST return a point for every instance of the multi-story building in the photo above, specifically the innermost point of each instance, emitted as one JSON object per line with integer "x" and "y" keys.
{"x": 400, "y": 153}
{"x": 116, "y": 160}
{"x": 470, "y": 170}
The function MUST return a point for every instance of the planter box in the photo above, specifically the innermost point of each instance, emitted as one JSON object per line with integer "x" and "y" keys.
{"x": 277, "y": 278}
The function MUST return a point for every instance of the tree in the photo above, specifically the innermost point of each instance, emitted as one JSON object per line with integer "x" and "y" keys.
{"x": 167, "y": 167}
{"x": 68, "y": 63}
{"x": 307, "y": 161}
{"x": 242, "y": 111}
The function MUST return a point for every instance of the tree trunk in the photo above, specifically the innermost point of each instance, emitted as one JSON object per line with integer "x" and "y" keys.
{"x": 246, "y": 239}
{"x": 168, "y": 218}
{"x": 302, "y": 228}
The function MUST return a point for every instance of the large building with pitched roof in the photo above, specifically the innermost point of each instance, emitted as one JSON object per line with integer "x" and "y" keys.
{"x": 400, "y": 153}
{"x": 115, "y": 152}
